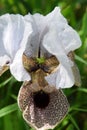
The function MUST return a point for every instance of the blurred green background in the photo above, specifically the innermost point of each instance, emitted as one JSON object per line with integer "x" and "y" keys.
{"x": 76, "y": 13}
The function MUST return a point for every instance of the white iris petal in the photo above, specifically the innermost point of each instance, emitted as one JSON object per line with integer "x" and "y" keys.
{"x": 4, "y": 59}
{"x": 14, "y": 33}
{"x": 53, "y": 17}
{"x": 70, "y": 39}
{"x": 51, "y": 79}
{"x": 53, "y": 43}
{"x": 43, "y": 24}
{"x": 32, "y": 46}
{"x": 16, "y": 67}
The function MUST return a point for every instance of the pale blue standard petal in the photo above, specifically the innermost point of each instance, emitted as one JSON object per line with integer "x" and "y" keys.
{"x": 69, "y": 39}
{"x": 11, "y": 33}
{"x": 43, "y": 23}
{"x": 52, "y": 44}
{"x": 14, "y": 34}
{"x": 17, "y": 68}
{"x": 32, "y": 46}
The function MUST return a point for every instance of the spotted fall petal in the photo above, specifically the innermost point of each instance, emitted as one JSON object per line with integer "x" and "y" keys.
{"x": 42, "y": 110}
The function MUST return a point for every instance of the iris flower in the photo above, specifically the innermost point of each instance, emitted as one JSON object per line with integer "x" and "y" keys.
{"x": 37, "y": 38}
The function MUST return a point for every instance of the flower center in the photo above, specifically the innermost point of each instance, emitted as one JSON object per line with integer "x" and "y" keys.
{"x": 33, "y": 64}
{"x": 41, "y": 99}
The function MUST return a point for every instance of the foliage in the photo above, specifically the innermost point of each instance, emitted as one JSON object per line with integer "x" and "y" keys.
{"x": 76, "y": 13}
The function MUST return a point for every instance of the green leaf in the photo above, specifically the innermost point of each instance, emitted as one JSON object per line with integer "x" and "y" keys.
{"x": 84, "y": 26}
{"x": 70, "y": 127}
{"x": 80, "y": 59}
{"x": 8, "y": 109}
{"x": 5, "y": 82}
{"x": 8, "y": 124}
{"x": 80, "y": 109}
{"x": 73, "y": 121}
{"x": 83, "y": 90}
